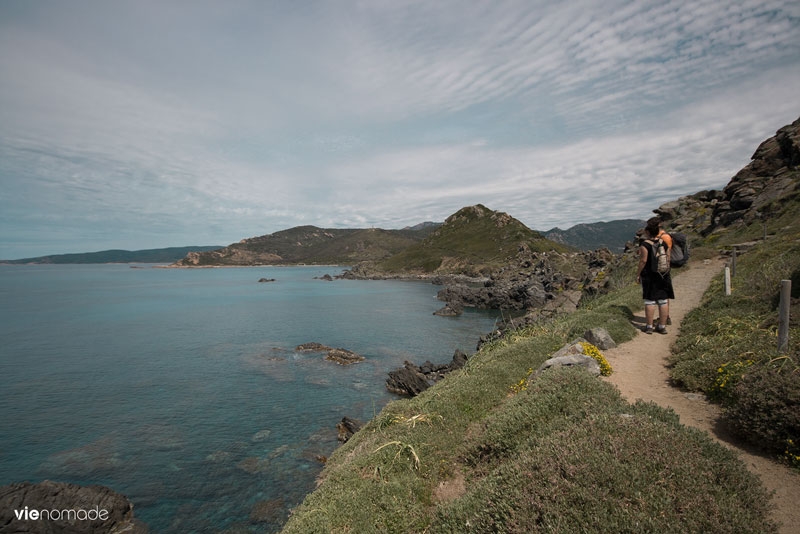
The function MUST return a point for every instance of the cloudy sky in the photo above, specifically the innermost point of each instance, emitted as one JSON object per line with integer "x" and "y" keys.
{"x": 144, "y": 124}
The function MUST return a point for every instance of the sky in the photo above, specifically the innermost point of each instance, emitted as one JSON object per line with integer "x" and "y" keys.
{"x": 147, "y": 124}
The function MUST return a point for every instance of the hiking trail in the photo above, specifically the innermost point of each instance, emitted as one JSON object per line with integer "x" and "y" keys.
{"x": 640, "y": 372}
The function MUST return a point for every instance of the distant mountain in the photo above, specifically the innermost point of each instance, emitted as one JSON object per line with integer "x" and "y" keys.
{"x": 473, "y": 239}
{"x": 154, "y": 255}
{"x": 309, "y": 245}
{"x": 611, "y": 235}
{"x": 427, "y": 225}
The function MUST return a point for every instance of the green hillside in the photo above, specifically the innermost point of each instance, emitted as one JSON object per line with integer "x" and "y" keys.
{"x": 474, "y": 239}
{"x": 311, "y": 245}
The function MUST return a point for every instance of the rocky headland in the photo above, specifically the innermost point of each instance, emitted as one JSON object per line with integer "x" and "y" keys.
{"x": 69, "y": 509}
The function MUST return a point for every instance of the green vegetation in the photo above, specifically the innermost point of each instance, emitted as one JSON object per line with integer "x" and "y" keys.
{"x": 312, "y": 245}
{"x": 565, "y": 453}
{"x": 474, "y": 239}
{"x": 728, "y": 345}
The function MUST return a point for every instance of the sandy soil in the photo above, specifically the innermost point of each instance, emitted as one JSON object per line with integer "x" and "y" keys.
{"x": 640, "y": 373}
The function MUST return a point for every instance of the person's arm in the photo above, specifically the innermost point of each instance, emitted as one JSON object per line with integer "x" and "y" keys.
{"x": 642, "y": 262}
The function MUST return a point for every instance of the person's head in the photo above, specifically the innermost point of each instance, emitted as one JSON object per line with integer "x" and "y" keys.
{"x": 653, "y": 226}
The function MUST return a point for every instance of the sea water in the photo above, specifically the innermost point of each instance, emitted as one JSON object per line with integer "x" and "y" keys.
{"x": 181, "y": 388}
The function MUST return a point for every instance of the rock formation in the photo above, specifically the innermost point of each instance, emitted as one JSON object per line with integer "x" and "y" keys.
{"x": 97, "y": 509}
{"x": 347, "y": 427}
{"x": 751, "y": 193}
{"x": 411, "y": 380}
{"x": 343, "y": 356}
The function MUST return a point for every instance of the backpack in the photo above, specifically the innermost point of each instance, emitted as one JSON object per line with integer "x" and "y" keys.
{"x": 657, "y": 261}
{"x": 680, "y": 250}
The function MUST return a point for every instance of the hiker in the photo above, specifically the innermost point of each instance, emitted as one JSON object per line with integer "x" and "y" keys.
{"x": 654, "y": 276}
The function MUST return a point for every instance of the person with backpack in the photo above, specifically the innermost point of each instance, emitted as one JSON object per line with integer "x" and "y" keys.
{"x": 654, "y": 275}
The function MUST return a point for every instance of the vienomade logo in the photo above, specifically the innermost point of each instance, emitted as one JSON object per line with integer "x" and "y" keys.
{"x": 66, "y": 514}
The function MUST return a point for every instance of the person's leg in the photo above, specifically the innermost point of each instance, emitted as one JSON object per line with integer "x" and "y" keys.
{"x": 663, "y": 315}
{"x": 649, "y": 313}
{"x": 663, "y": 312}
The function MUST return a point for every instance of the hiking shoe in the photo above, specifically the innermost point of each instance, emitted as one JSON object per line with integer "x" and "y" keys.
{"x": 648, "y": 329}
{"x": 661, "y": 329}
{"x": 669, "y": 321}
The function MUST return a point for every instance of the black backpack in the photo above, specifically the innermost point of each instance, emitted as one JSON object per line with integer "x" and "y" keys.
{"x": 680, "y": 250}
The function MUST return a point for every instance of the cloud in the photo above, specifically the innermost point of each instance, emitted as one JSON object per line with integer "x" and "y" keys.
{"x": 228, "y": 121}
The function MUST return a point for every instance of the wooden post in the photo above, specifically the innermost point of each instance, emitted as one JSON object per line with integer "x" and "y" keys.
{"x": 733, "y": 263}
{"x": 783, "y": 326}
{"x": 727, "y": 280}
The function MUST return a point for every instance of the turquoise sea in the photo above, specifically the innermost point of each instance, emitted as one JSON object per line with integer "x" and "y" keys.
{"x": 181, "y": 389}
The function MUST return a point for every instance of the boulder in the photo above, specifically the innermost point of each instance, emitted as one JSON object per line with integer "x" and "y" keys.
{"x": 53, "y": 498}
{"x": 343, "y": 356}
{"x": 266, "y": 279}
{"x": 407, "y": 380}
{"x": 326, "y": 277}
{"x": 572, "y": 360}
{"x": 347, "y": 427}
{"x": 459, "y": 360}
{"x": 600, "y": 338}
{"x": 572, "y": 355}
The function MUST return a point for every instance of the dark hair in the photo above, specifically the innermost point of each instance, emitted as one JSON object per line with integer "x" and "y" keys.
{"x": 653, "y": 225}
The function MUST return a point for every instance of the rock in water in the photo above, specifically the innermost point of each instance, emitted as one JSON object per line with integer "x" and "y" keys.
{"x": 449, "y": 310}
{"x": 600, "y": 338}
{"x": 97, "y": 509}
{"x": 266, "y": 279}
{"x": 347, "y": 427}
{"x": 343, "y": 356}
{"x": 313, "y": 347}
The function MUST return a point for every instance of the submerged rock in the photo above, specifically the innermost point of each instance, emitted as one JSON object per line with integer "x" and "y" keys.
{"x": 313, "y": 347}
{"x": 343, "y": 356}
{"x": 270, "y": 510}
{"x": 97, "y": 509}
{"x": 266, "y": 280}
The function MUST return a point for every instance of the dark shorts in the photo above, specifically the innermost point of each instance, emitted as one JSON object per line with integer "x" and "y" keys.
{"x": 656, "y": 286}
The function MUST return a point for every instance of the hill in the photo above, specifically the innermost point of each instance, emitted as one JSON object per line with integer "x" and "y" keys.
{"x": 309, "y": 245}
{"x": 154, "y": 255}
{"x": 474, "y": 239}
{"x": 611, "y": 235}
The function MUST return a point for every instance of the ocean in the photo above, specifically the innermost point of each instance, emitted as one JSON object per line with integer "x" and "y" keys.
{"x": 180, "y": 388}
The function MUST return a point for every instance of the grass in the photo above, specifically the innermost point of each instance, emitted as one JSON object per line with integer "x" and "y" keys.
{"x": 728, "y": 345}
{"x": 565, "y": 454}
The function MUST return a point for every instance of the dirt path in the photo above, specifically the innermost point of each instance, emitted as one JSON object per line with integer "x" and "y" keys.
{"x": 640, "y": 373}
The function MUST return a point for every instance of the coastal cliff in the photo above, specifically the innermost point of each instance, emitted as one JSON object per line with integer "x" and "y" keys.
{"x": 491, "y": 449}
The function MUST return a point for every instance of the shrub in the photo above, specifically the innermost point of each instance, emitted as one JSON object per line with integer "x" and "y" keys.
{"x": 766, "y": 406}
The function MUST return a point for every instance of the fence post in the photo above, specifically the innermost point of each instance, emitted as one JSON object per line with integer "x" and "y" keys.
{"x": 733, "y": 263}
{"x": 727, "y": 280}
{"x": 783, "y": 326}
